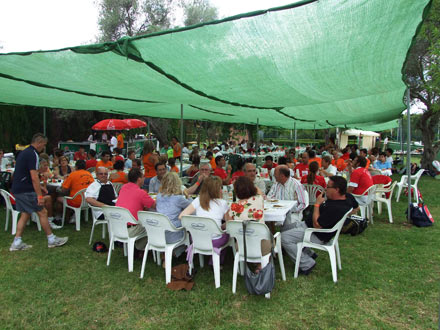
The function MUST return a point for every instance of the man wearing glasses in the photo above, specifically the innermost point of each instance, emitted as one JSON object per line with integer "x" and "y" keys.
{"x": 101, "y": 192}
{"x": 197, "y": 181}
{"x": 326, "y": 213}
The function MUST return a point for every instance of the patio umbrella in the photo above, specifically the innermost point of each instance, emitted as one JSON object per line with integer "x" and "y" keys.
{"x": 135, "y": 123}
{"x": 110, "y": 125}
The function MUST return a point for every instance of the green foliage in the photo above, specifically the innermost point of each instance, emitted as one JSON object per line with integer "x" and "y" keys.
{"x": 198, "y": 11}
{"x": 119, "y": 18}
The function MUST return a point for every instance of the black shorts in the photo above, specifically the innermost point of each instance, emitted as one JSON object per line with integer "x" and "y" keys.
{"x": 27, "y": 202}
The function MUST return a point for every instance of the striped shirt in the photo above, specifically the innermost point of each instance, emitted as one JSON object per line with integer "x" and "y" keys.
{"x": 293, "y": 190}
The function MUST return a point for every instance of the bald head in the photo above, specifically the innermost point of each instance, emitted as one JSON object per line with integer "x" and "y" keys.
{"x": 282, "y": 173}
{"x": 250, "y": 171}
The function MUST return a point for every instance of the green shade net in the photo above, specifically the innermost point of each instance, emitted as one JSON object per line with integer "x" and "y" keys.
{"x": 317, "y": 63}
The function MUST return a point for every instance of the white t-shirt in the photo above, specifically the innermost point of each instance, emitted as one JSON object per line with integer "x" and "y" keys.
{"x": 217, "y": 210}
{"x": 331, "y": 169}
{"x": 113, "y": 143}
{"x": 390, "y": 160}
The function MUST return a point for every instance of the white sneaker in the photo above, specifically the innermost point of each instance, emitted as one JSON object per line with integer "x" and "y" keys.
{"x": 19, "y": 247}
{"x": 54, "y": 226}
{"x": 57, "y": 241}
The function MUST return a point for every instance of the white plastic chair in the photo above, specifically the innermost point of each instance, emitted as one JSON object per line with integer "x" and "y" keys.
{"x": 156, "y": 224}
{"x": 404, "y": 184}
{"x": 380, "y": 197}
{"x": 367, "y": 207}
{"x": 332, "y": 246}
{"x": 118, "y": 218}
{"x": 117, "y": 186}
{"x": 77, "y": 210}
{"x": 313, "y": 190}
{"x": 97, "y": 221}
{"x": 9, "y": 209}
{"x": 201, "y": 230}
{"x": 255, "y": 232}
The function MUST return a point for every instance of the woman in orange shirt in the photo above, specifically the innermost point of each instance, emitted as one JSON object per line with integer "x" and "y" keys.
{"x": 177, "y": 149}
{"x": 119, "y": 176}
{"x": 149, "y": 159}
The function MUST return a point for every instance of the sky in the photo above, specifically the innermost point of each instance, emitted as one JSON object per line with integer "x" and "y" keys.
{"x": 51, "y": 24}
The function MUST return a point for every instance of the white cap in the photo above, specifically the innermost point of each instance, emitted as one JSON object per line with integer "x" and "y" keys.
{"x": 216, "y": 148}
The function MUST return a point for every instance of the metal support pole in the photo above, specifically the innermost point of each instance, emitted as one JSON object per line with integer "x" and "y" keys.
{"x": 314, "y": 135}
{"x": 44, "y": 122}
{"x": 408, "y": 150}
{"x": 294, "y": 128}
{"x": 401, "y": 135}
{"x": 256, "y": 144}
{"x": 337, "y": 137}
{"x": 148, "y": 129}
{"x": 181, "y": 138}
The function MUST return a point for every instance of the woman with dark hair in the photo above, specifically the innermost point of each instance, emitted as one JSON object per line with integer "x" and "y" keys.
{"x": 119, "y": 176}
{"x": 250, "y": 204}
{"x": 194, "y": 168}
{"x": 239, "y": 172}
{"x": 313, "y": 177}
{"x": 177, "y": 148}
{"x": 63, "y": 170}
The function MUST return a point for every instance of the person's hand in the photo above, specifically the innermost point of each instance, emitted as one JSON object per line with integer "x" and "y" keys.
{"x": 229, "y": 168}
{"x": 320, "y": 199}
{"x": 40, "y": 201}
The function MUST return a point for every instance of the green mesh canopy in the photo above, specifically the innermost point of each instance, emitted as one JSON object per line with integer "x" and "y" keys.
{"x": 317, "y": 63}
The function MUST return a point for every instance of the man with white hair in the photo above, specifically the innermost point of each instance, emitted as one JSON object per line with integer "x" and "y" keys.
{"x": 101, "y": 192}
{"x": 197, "y": 181}
{"x": 250, "y": 171}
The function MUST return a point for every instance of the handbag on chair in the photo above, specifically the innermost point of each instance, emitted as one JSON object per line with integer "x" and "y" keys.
{"x": 262, "y": 282}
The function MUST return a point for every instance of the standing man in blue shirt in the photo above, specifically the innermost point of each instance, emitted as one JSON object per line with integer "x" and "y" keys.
{"x": 28, "y": 196}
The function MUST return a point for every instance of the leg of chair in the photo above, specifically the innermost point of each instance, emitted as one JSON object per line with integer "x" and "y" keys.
{"x": 390, "y": 213}
{"x": 216, "y": 265}
{"x": 103, "y": 230}
{"x": 144, "y": 260}
{"x": 298, "y": 259}
{"x": 241, "y": 268}
{"x": 379, "y": 207}
{"x": 110, "y": 251}
{"x": 7, "y": 220}
{"x": 201, "y": 260}
{"x": 64, "y": 214}
{"x": 416, "y": 194}
{"x": 280, "y": 257}
{"x": 332, "y": 255}
{"x": 91, "y": 233}
{"x": 234, "y": 272}
{"x": 77, "y": 219}
{"x": 125, "y": 249}
{"x": 398, "y": 192}
{"x": 87, "y": 215}
{"x": 130, "y": 254}
{"x": 362, "y": 208}
{"x": 168, "y": 263}
{"x": 158, "y": 259}
{"x": 37, "y": 220}
{"x": 370, "y": 212}
{"x": 338, "y": 255}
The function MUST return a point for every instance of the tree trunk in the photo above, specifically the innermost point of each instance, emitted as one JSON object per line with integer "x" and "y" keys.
{"x": 159, "y": 128}
{"x": 427, "y": 125}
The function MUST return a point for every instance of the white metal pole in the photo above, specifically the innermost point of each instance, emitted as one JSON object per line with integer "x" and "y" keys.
{"x": 256, "y": 144}
{"x": 294, "y": 127}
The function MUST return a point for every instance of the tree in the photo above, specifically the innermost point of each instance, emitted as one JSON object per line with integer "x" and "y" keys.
{"x": 119, "y": 18}
{"x": 198, "y": 11}
{"x": 422, "y": 73}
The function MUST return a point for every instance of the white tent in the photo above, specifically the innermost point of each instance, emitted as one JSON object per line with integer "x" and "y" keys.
{"x": 367, "y": 139}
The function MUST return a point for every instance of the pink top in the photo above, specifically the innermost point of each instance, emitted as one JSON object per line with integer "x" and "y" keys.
{"x": 134, "y": 199}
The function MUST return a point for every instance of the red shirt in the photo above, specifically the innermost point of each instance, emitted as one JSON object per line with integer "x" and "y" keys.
{"x": 269, "y": 168}
{"x": 119, "y": 158}
{"x": 220, "y": 173}
{"x": 345, "y": 156}
{"x": 319, "y": 180}
{"x": 91, "y": 163}
{"x": 236, "y": 175}
{"x": 77, "y": 155}
{"x": 133, "y": 198}
{"x": 382, "y": 179}
{"x": 361, "y": 180}
{"x": 303, "y": 169}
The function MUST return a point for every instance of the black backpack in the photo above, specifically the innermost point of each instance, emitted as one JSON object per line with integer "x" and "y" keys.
{"x": 354, "y": 225}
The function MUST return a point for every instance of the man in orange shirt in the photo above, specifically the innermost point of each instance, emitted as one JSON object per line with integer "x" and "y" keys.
{"x": 313, "y": 158}
{"x": 338, "y": 161}
{"x": 105, "y": 160}
{"x": 77, "y": 180}
{"x": 120, "y": 138}
{"x": 211, "y": 158}
{"x": 364, "y": 153}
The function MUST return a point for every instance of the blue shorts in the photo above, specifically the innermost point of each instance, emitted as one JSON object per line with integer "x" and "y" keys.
{"x": 27, "y": 202}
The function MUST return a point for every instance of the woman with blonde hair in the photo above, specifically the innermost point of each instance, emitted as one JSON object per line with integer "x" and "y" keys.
{"x": 170, "y": 202}
{"x": 211, "y": 205}
{"x": 149, "y": 159}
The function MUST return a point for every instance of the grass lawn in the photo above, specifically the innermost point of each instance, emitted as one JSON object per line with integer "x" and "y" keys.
{"x": 389, "y": 279}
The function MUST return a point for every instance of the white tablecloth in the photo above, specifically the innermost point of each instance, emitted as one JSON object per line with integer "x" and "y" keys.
{"x": 278, "y": 214}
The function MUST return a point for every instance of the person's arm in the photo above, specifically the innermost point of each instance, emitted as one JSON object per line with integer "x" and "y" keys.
{"x": 92, "y": 201}
{"x": 301, "y": 198}
{"x": 227, "y": 181}
{"x": 316, "y": 212}
{"x": 191, "y": 190}
{"x": 188, "y": 211}
{"x": 37, "y": 188}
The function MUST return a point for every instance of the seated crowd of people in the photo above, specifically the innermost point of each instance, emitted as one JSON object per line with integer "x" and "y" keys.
{"x": 152, "y": 183}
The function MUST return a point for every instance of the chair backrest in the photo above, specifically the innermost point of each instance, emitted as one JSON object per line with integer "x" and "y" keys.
{"x": 117, "y": 186}
{"x": 201, "y": 230}
{"x": 338, "y": 227}
{"x": 313, "y": 190}
{"x": 95, "y": 209}
{"x": 82, "y": 192}
{"x": 156, "y": 224}
{"x": 417, "y": 176}
{"x": 370, "y": 192}
{"x": 384, "y": 189}
{"x": 255, "y": 232}
{"x": 5, "y": 180}
{"x": 117, "y": 218}
{"x": 7, "y": 197}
